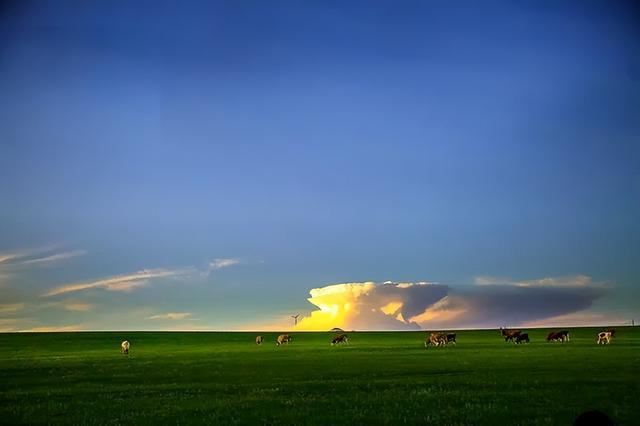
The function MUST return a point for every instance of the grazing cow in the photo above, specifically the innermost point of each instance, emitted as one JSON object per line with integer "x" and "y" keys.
{"x": 522, "y": 338}
{"x": 282, "y": 339}
{"x": 435, "y": 339}
{"x": 509, "y": 335}
{"x": 604, "y": 338}
{"x": 451, "y": 338}
{"x": 556, "y": 336}
{"x": 259, "y": 340}
{"x": 565, "y": 335}
{"x": 124, "y": 347}
{"x": 340, "y": 338}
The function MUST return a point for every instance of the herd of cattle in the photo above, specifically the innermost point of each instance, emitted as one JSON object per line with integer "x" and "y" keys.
{"x": 438, "y": 339}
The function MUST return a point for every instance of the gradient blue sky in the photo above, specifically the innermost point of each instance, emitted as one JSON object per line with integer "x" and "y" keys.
{"x": 309, "y": 144}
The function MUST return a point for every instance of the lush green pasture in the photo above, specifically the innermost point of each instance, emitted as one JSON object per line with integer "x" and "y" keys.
{"x": 221, "y": 378}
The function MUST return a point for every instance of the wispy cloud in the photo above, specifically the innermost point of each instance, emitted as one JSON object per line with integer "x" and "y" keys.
{"x": 53, "y": 258}
{"x": 11, "y": 308}
{"x": 171, "y": 316}
{"x": 216, "y": 264}
{"x": 580, "y": 319}
{"x": 568, "y": 281}
{"x": 24, "y": 259}
{"x": 74, "y": 306}
{"x": 7, "y": 257}
{"x": 56, "y": 329}
{"x": 123, "y": 283}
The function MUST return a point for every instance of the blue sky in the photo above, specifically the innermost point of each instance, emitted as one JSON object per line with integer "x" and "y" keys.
{"x": 306, "y": 144}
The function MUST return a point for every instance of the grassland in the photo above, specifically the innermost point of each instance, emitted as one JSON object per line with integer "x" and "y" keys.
{"x": 224, "y": 378}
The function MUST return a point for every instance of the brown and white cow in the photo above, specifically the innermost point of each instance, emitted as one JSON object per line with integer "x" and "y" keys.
{"x": 282, "y": 339}
{"x": 435, "y": 339}
{"x": 604, "y": 337}
{"x": 259, "y": 340}
{"x": 124, "y": 347}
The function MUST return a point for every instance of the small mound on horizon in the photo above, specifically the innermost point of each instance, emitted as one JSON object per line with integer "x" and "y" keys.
{"x": 337, "y": 330}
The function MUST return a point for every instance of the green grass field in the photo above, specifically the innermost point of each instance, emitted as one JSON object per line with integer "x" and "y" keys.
{"x": 222, "y": 378}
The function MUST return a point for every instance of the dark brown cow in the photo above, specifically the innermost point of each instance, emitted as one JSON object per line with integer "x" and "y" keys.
{"x": 509, "y": 335}
{"x": 555, "y": 336}
{"x": 340, "y": 338}
{"x": 451, "y": 338}
{"x": 522, "y": 338}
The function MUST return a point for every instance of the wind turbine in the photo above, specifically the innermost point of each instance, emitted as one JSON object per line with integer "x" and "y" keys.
{"x": 295, "y": 319}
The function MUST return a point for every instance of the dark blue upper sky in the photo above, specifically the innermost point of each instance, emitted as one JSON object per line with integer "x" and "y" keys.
{"x": 318, "y": 143}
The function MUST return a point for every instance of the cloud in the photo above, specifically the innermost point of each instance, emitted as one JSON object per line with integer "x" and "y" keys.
{"x": 8, "y": 257}
{"x": 13, "y": 324}
{"x": 36, "y": 257}
{"x": 568, "y": 281}
{"x": 11, "y": 308}
{"x": 56, "y": 329}
{"x": 398, "y": 306}
{"x": 123, "y": 283}
{"x": 580, "y": 319}
{"x": 54, "y": 258}
{"x": 76, "y": 306}
{"x": 171, "y": 316}
{"x": 370, "y": 306}
{"x": 216, "y": 264}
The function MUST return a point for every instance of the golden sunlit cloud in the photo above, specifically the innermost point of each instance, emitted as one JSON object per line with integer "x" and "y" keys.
{"x": 369, "y": 306}
{"x": 405, "y": 306}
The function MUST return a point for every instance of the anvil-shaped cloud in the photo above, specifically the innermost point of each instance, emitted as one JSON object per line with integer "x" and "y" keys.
{"x": 406, "y": 306}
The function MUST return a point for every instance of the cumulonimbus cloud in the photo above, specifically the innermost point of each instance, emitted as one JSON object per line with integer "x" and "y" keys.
{"x": 406, "y": 306}
{"x": 123, "y": 283}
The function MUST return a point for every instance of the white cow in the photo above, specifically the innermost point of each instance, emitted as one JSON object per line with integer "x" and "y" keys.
{"x": 124, "y": 347}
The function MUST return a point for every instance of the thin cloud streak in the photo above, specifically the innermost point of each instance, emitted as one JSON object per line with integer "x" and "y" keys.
{"x": 216, "y": 264}
{"x": 568, "y": 281}
{"x": 123, "y": 283}
{"x": 171, "y": 316}
{"x": 47, "y": 260}
{"x": 25, "y": 259}
{"x": 11, "y": 308}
